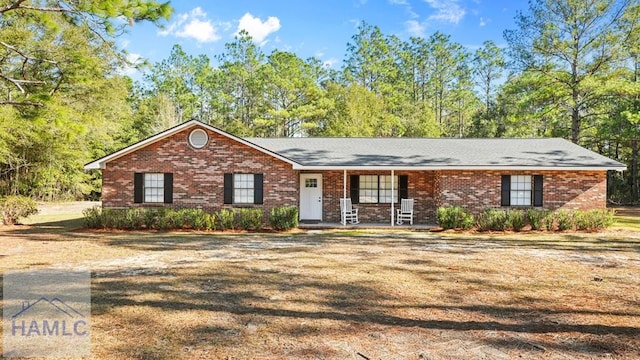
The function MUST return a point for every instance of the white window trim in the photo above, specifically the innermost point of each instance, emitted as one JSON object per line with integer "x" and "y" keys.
{"x": 378, "y": 189}
{"x": 195, "y": 132}
{"x": 146, "y": 197}
{"x": 521, "y": 191}
{"x": 249, "y": 197}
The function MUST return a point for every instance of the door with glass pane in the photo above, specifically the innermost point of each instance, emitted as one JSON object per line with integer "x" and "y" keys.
{"x": 310, "y": 196}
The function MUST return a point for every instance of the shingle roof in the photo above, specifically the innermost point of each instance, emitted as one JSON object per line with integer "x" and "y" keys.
{"x": 405, "y": 153}
{"x": 436, "y": 153}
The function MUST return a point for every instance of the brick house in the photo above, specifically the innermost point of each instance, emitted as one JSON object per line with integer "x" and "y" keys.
{"x": 196, "y": 165}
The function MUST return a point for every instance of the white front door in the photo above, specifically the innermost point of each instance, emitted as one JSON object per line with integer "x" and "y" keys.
{"x": 310, "y": 196}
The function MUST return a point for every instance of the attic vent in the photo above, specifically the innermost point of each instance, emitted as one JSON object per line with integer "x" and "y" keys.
{"x": 198, "y": 138}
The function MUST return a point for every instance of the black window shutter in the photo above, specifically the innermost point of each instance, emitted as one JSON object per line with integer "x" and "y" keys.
{"x": 354, "y": 191}
{"x": 168, "y": 188}
{"x": 257, "y": 188}
{"x": 138, "y": 188}
{"x": 506, "y": 191}
{"x": 537, "y": 190}
{"x": 228, "y": 188}
{"x": 403, "y": 186}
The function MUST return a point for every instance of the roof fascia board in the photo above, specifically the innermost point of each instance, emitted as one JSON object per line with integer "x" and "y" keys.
{"x": 454, "y": 167}
{"x": 100, "y": 163}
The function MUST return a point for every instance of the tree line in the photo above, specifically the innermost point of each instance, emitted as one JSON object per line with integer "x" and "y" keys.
{"x": 570, "y": 70}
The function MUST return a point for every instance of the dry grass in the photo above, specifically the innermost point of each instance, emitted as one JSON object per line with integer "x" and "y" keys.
{"x": 349, "y": 295}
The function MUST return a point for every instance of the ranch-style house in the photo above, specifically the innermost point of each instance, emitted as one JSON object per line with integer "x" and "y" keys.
{"x": 195, "y": 165}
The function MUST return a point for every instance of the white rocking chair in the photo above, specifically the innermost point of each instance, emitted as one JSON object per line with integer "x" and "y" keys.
{"x": 348, "y": 212}
{"x": 405, "y": 212}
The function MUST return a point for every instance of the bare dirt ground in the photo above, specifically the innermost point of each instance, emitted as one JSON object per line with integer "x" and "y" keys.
{"x": 348, "y": 295}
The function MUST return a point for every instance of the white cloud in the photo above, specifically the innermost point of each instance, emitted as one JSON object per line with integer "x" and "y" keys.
{"x": 193, "y": 25}
{"x": 483, "y": 22}
{"x": 446, "y": 10}
{"x": 202, "y": 31}
{"x": 408, "y": 8}
{"x": 258, "y": 29}
{"x": 415, "y": 28}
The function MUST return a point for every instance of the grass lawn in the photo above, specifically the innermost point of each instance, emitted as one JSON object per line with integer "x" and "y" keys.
{"x": 347, "y": 295}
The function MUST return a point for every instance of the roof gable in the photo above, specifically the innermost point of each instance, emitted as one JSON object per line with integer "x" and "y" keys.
{"x": 100, "y": 163}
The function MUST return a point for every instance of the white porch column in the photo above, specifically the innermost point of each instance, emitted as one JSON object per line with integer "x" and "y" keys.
{"x": 344, "y": 196}
{"x": 392, "y": 200}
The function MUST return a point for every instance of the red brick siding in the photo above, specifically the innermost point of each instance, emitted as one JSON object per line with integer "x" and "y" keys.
{"x": 198, "y": 174}
{"x": 477, "y": 190}
{"x": 198, "y": 181}
{"x": 421, "y": 188}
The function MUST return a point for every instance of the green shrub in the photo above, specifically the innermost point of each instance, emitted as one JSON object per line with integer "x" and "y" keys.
{"x": 493, "y": 220}
{"x": 593, "y": 220}
{"x": 125, "y": 219}
{"x": 175, "y": 219}
{"x": 605, "y": 218}
{"x": 133, "y": 219}
{"x": 148, "y": 218}
{"x": 516, "y": 219}
{"x": 226, "y": 219}
{"x": 454, "y": 217}
{"x": 165, "y": 219}
{"x": 196, "y": 219}
{"x": 581, "y": 220}
{"x": 249, "y": 219}
{"x": 550, "y": 222}
{"x": 564, "y": 219}
{"x": 93, "y": 218}
{"x": 284, "y": 218}
{"x": 15, "y": 207}
{"x": 112, "y": 218}
{"x": 538, "y": 218}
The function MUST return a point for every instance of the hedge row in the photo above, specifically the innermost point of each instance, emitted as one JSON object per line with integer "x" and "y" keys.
{"x": 455, "y": 217}
{"x": 281, "y": 218}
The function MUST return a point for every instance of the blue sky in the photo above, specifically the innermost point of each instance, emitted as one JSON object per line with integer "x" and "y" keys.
{"x": 320, "y": 28}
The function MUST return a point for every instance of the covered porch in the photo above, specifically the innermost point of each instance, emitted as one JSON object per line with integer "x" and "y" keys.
{"x": 376, "y": 194}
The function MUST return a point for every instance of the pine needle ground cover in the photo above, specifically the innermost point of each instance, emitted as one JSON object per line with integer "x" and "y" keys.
{"x": 348, "y": 295}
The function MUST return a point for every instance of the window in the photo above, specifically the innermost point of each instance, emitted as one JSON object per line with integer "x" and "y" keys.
{"x": 311, "y": 183}
{"x": 198, "y": 138}
{"x": 376, "y": 189}
{"x": 153, "y": 188}
{"x": 385, "y": 189}
{"x": 521, "y": 190}
{"x": 368, "y": 189}
{"x": 243, "y": 188}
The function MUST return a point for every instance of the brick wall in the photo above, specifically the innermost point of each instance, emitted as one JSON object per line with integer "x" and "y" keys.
{"x": 477, "y": 190}
{"x": 198, "y": 174}
{"x": 198, "y": 181}
{"x": 421, "y": 188}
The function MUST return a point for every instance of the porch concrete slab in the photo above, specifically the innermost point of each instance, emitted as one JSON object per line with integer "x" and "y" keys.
{"x": 361, "y": 226}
